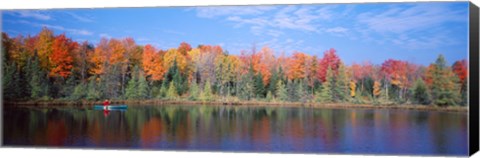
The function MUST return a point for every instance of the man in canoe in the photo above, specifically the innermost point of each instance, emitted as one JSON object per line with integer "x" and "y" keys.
{"x": 106, "y": 103}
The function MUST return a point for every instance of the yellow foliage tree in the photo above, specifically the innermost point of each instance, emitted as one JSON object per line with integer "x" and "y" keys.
{"x": 353, "y": 85}
{"x": 376, "y": 88}
{"x": 44, "y": 47}
{"x": 171, "y": 56}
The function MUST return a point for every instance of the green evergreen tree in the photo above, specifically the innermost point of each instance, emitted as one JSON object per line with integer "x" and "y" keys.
{"x": 326, "y": 93}
{"x": 269, "y": 96}
{"x": 341, "y": 84}
{"x": 79, "y": 92}
{"x": 206, "y": 94}
{"x": 143, "y": 90}
{"x": 245, "y": 87}
{"x": 178, "y": 79}
{"x": 464, "y": 95}
{"x": 281, "y": 94}
{"x": 259, "y": 86}
{"x": 9, "y": 81}
{"x": 292, "y": 93}
{"x": 38, "y": 83}
{"x": 93, "y": 92}
{"x": 132, "y": 85}
{"x": 272, "y": 85}
{"x": 301, "y": 91}
{"x": 281, "y": 75}
{"x": 162, "y": 91}
{"x": 194, "y": 91}
{"x": 420, "y": 93}
{"x": 445, "y": 89}
{"x": 68, "y": 88}
{"x": 172, "y": 91}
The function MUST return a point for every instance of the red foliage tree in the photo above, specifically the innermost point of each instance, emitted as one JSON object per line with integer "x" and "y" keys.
{"x": 184, "y": 48}
{"x": 330, "y": 59}
{"x": 461, "y": 70}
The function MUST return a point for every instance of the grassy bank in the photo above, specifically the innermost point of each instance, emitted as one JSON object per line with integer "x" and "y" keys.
{"x": 239, "y": 103}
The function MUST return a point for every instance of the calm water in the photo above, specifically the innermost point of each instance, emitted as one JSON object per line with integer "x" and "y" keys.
{"x": 253, "y": 129}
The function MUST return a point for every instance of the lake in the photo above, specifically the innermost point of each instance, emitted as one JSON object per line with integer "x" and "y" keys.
{"x": 240, "y": 128}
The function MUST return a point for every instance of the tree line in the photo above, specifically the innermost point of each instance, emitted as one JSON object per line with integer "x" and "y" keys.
{"x": 47, "y": 66}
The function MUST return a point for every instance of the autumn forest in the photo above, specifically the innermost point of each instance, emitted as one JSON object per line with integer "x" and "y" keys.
{"x": 47, "y": 67}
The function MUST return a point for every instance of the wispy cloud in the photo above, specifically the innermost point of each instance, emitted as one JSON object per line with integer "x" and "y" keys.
{"x": 302, "y": 18}
{"x": 32, "y": 14}
{"x": 174, "y": 32}
{"x": 74, "y": 31}
{"x": 212, "y": 12}
{"x": 337, "y": 30}
{"x": 79, "y": 18}
{"x": 404, "y": 19}
{"x": 105, "y": 35}
{"x": 56, "y": 27}
{"x": 419, "y": 26}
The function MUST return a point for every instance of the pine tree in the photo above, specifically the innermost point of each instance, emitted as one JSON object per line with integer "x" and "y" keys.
{"x": 259, "y": 86}
{"x": 14, "y": 86}
{"x": 194, "y": 91}
{"x": 272, "y": 85}
{"x": 444, "y": 88}
{"x": 420, "y": 94}
{"x": 341, "y": 84}
{"x": 206, "y": 94}
{"x": 68, "y": 88}
{"x": 269, "y": 96}
{"x": 93, "y": 92}
{"x": 143, "y": 90}
{"x": 37, "y": 80}
{"x": 162, "y": 91}
{"x": 132, "y": 85}
{"x": 281, "y": 91}
{"x": 292, "y": 93}
{"x": 245, "y": 88}
{"x": 178, "y": 79}
{"x": 172, "y": 91}
{"x": 79, "y": 92}
{"x": 301, "y": 91}
{"x": 326, "y": 93}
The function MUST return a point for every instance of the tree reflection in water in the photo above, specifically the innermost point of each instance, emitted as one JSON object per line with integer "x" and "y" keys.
{"x": 233, "y": 128}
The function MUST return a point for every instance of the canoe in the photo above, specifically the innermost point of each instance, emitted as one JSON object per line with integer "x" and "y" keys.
{"x": 110, "y": 107}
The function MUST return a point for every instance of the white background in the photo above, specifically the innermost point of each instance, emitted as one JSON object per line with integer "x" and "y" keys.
{"x": 82, "y": 153}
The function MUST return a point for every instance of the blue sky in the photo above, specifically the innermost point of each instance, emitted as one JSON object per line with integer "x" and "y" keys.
{"x": 416, "y": 32}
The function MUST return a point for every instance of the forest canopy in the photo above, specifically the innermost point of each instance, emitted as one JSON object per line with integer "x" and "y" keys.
{"x": 47, "y": 66}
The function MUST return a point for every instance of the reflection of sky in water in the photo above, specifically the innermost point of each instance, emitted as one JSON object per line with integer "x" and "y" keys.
{"x": 220, "y": 128}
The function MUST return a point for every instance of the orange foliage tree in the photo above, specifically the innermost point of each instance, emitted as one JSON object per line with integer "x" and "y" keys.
{"x": 152, "y": 63}
{"x": 99, "y": 57}
{"x": 296, "y": 66}
{"x": 62, "y": 59}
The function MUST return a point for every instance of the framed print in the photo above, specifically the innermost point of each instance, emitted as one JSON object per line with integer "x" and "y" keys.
{"x": 353, "y": 78}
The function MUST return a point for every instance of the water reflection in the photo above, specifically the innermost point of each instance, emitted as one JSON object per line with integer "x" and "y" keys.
{"x": 229, "y": 128}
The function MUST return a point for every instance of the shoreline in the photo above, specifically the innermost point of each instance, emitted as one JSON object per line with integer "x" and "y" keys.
{"x": 242, "y": 103}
